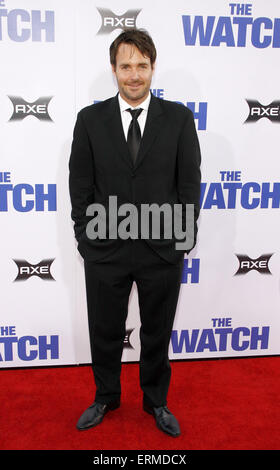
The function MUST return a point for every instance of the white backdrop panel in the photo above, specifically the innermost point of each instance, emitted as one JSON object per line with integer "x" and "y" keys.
{"x": 219, "y": 314}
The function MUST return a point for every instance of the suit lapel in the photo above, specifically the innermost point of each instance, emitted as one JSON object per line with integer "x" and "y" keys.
{"x": 114, "y": 127}
{"x": 152, "y": 127}
{"x": 151, "y": 130}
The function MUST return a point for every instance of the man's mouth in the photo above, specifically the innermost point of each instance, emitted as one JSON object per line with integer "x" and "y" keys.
{"x": 134, "y": 85}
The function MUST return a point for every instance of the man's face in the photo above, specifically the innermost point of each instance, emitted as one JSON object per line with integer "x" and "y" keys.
{"x": 133, "y": 72}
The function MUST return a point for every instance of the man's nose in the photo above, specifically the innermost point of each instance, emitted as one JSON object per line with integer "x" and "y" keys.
{"x": 134, "y": 74}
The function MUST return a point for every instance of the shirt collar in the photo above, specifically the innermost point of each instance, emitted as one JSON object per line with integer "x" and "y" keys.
{"x": 124, "y": 105}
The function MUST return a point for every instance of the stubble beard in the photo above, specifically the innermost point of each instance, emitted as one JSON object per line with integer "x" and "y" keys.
{"x": 132, "y": 97}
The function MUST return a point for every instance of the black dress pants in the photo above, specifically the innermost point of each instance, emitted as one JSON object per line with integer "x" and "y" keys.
{"x": 108, "y": 286}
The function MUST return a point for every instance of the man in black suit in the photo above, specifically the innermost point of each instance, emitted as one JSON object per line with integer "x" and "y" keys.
{"x": 141, "y": 150}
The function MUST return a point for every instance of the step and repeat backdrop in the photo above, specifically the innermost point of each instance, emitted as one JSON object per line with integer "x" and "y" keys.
{"x": 218, "y": 58}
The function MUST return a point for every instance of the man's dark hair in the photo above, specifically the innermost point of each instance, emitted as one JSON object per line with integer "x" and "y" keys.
{"x": 137, "y": 37}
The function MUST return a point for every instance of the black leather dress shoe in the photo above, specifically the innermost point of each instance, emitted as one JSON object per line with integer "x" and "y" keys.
{"x": 95, "y": 414}
{"x": 165, "y": 420}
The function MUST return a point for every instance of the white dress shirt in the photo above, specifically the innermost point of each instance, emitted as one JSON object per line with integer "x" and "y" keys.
{"x": 126, "y": 116}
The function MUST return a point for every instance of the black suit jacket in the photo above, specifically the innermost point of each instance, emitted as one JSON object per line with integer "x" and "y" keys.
{"x": 167, "y": 169}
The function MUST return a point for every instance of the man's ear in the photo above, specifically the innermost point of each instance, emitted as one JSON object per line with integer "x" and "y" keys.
{"x": 113, "y": 69}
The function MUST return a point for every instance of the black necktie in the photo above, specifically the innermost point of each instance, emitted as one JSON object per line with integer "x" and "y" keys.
{"x": 134, "y": 133}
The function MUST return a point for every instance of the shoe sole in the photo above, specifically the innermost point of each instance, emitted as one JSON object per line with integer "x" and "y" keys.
{"x": 110, "y": 408}
{"x": 150, "y": 411}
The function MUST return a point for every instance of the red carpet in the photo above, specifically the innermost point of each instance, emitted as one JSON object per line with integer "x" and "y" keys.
{"x": 221, "y": 404}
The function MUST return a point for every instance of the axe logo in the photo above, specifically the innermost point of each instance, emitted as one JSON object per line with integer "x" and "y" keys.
{"x": 38, "y": 108}
{"x": 110, "y": 21}
{"x": 126, "y": 343}
{"x": 258, "y": 111}
{"x": 247, "y": 264}
{"x": 26, "y": 270}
